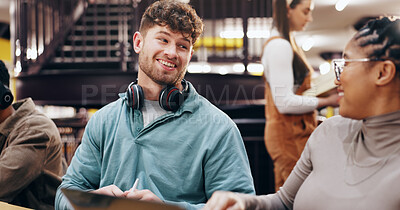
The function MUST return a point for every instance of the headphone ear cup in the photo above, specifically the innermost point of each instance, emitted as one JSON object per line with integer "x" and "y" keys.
{"x": 171, "y": 98}
{"x": 6, "y": 97}
{"x": 135, "y": 96}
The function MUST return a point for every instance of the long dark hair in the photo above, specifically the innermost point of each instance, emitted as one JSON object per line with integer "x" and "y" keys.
{"x": 301, "y": 68}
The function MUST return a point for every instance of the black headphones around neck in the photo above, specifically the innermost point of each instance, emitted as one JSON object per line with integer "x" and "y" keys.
{"x": 6, "y": 97}
{"x": 170, "y": 98}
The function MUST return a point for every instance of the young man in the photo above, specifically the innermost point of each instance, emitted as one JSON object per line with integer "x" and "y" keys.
{"x": 179, "y": 146}
{"x": 30, "y": 152}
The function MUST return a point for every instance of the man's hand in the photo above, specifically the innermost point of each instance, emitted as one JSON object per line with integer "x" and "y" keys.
{"x": 144, "y": 195}
{"x": 111, "y": 190}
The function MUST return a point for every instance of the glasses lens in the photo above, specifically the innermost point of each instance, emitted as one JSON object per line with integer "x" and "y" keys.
{"x": 338, "y": 67}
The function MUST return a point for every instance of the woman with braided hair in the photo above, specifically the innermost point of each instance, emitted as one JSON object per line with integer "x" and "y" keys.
{"x": 350, "y": 161}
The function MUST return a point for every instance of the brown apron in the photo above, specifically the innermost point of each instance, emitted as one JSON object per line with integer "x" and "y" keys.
{"x": 286, "y": 134}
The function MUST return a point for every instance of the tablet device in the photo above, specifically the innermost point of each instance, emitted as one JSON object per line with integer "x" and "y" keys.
{"x": 81, "y": 200}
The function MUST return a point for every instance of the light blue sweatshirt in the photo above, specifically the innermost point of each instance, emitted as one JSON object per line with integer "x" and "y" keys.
{"x": 182, "y": 157}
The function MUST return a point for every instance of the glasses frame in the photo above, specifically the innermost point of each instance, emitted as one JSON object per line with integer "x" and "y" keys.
{"x": 338, "y": 68}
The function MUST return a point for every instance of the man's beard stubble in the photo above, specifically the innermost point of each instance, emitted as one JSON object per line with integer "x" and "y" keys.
{"x": 157, "y": 77}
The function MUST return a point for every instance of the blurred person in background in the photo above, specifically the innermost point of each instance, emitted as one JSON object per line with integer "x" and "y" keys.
{"x": 290, "y": 117}
{"x": 351, "y": 161}
{"x": 30, "y": 151}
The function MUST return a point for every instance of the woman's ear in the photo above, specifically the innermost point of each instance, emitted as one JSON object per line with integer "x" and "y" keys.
{"x": 386, "y": 73}
{"x": 137, "y": 42}
{"x": 289, "y": 12}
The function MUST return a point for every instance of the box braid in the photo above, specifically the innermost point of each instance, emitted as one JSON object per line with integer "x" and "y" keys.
{"x": 381, "y": 39}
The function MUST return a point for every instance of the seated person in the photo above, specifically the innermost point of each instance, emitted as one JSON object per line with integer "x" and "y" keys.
{"x": 30, "y": 152}
{"x": 180, "y": 146}
{"x": 350, "y": 161}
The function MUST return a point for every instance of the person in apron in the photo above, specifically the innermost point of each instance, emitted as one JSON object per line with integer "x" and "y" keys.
{"x": 290, "y": 117}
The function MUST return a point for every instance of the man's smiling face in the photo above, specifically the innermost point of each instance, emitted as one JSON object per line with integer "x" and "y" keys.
{"x": 164, "y": 54}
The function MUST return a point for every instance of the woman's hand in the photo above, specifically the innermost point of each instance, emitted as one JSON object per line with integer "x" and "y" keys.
{"x": 224, "y": 200}
{"x": 331, "y": 100}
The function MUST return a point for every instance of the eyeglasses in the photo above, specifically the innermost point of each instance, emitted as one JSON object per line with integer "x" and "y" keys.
{"x": 339, "y": 64}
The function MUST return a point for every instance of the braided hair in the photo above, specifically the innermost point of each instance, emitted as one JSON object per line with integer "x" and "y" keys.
{"x": 381, "y": 40}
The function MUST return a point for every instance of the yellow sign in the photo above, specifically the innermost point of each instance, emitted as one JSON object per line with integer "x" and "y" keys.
{"x": 5, "y": 52}
{"x": 219, "y": 43}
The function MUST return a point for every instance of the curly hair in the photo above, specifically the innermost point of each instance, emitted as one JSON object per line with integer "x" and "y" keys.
{"x": 380, "y": 38}
{"x": 178, "y": 16}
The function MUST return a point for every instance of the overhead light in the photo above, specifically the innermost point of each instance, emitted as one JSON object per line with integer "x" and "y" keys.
{"x": 255, "y": 69}
{"x": 231, "y": 34}
{"x": 238, "y": 34}
{"x": 324, "y": 68}
{"x": 239, "y": 67}
{"x": 308, "y": 44}
{"x": 40, "y": 50}
{"x": 223, "y": 70}
{"x": 31, "y": 53}
{"x": 341, "y": 4}
{"x": 258, "y": 34}
{"x": 17, "y": 68}
{"x": 199, "y": 68}
{"x": 17, "y": 52}
{"x": 17, "y": 48}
